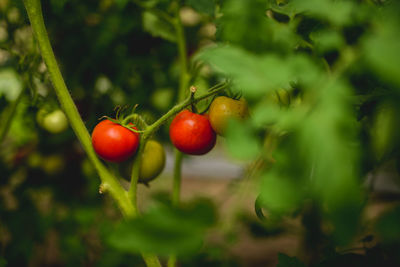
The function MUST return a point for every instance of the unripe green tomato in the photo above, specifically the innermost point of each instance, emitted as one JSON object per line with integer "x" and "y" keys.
{"x": 55, "y": 122}
{"x": 222, "y": 109}
{"x": 153, "y": 161}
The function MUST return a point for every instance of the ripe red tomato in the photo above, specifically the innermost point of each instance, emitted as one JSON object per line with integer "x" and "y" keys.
{"x": 192, "y": 133}
{"x": 113, "y": 142}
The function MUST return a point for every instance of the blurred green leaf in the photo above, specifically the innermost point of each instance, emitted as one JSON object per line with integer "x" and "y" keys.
{"x": 381, "y": 49}
{"x": 158, "y": 27}
{"x": 202, "y": 6}
{"x": 327, "y": 40}
{"x": 336, "y": 12}
{"x": 328, "y": 136}
{"x": 244, "y": 67}
{"x": 388, "y": 225}
{"x": 241, "y": 140}
{"x": 384, "y": 130}
{"x": 165, "y": 230}
{"x": 287, "y": 261}
{"x": 278, "y": 193}
{"x": 233, "y": 26}
{"x": 257, "y": 75}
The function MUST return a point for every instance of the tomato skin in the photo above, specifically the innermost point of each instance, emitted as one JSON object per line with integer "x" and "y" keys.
{"x": 153, "y": 161}
{"x": 222, "y": 109}
{"x": 192, "y": 133}
{"x": 113, "y": 142}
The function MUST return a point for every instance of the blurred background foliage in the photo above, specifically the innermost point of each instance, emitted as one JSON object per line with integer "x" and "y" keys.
{"x": 323, "y": 84}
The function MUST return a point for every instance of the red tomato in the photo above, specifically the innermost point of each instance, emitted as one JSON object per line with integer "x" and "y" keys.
{"x": 113, "y": 142}
{"x": 192, "y": 133}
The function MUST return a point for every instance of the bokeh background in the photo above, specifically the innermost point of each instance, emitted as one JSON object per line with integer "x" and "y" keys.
{"x": 320, "y": 153}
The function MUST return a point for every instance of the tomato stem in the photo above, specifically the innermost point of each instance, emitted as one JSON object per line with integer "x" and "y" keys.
{"x": 193, "y": 90}
{"x": 182, "y": 105}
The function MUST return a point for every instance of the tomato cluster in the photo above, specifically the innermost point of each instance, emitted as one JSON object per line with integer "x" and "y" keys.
{"x": 195, "y": 134}
{"x": 116, "y": 143}
{"x": 191, "y": 133}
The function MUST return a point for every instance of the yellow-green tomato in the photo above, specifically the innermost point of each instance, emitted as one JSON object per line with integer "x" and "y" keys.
{"x": 153, "y": 161}
{"x": 55, "y": 122}
{"x": 223, "y": 109}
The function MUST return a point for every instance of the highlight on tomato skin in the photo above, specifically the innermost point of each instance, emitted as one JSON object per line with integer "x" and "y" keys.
{"x": 113, "y": 142}
{"x": 192, "y": 133}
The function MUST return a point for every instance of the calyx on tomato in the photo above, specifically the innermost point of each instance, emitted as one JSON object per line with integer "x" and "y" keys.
{"x": 116, "y": 140}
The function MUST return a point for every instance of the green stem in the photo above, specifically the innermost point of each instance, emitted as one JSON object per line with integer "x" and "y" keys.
{"x": 135, "y": 173}
{"x": 183, "y": 84}
{"x": 182, "y": 105}
{"x": 177, "y": 178}
{"x": 8, "y": 117}
{"x": 171, "y": 261}
{"x": 182, "y": 51}
{"x": 151, "y": 260}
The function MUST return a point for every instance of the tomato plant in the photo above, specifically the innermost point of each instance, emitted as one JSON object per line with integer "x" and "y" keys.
{"x": 192, "y": 133}
{"x": 222, "y": 109}
{"x": 113, "y": 142}
{"x": 153, "y": 161}
{"x": 322, "y": 82}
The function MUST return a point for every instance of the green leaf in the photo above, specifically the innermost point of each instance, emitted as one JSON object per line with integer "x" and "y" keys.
{"x": 257, "y": 75}
{"x": 287, "y": 261}
{"x": 384, "y": 130}
{"x": 241, "y": 141}
{"x": 278, "y": 193}
{"x": 202, "y": 6}
{"x": 165, "y": 230}
{"x": 336, "y": 12}
{"x": 234, "y": 26}
{"x": 388, "y": 226}
{"x": 158, "y": 27}
{"x": 382, "y": 51}
{"x": 327, "y": 40}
